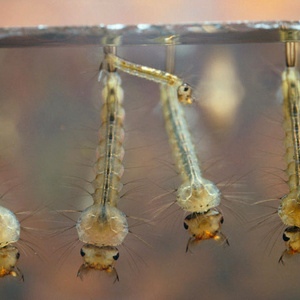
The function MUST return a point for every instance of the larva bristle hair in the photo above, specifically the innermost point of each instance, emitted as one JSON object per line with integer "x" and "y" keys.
{"x": 196, "y": 194}
{"x": 289, "y": 208}
{"x": 102, "y": 226}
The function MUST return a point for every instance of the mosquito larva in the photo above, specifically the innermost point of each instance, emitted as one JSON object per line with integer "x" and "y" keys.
{"x": 102, "y": 226}
{"x": 289, "y": 209}
{"x": 196, "y": 194}
{"x": 183, "y": 90}
{"x": 9, "y": 234}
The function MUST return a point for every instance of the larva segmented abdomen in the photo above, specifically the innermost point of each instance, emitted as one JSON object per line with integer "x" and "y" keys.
{"x": 143, "y": 71}
{"x": 179, "y": 137}
{"x": 110, "y": 152}
{"x": 289, "y": 155}
{"x": 9, "y": 227}
{"x": 291, "y": 126}
{"x": 196, "y": 194}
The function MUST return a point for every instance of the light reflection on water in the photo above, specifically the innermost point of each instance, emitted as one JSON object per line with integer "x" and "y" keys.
{"x": 50, "y": 101}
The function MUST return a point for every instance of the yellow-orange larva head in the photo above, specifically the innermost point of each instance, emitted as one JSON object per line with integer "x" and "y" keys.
{"x": 205, "y": 226}
{"x": 9, "y": 256}
{"x": 184, "y": 94}
{"x": 291, "y": 236}
{"x": 98, "y": 258}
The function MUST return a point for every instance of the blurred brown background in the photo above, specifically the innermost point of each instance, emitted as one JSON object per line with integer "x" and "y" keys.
{"x": 93, "y": 12}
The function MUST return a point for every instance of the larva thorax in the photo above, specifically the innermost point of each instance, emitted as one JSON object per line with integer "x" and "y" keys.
{"x": 9, "y": 227}
{"x": 103, "y": 226}
{"x": 198, "y": 197}
{"x": 143, "y": 71}
{"x": 9, "y": 234}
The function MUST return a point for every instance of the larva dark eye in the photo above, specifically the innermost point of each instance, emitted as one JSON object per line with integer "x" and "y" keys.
{"x": 285, "y": 238}
{"x": 82, "y": 253}
{"x": 18, "y": 255}
{"x": 222, "y": 220}
{"x": 185, "y": 226}
{"x": 186, "y": 88}
{"x": 116, "y": 256}
{"x": 189, "y": 217}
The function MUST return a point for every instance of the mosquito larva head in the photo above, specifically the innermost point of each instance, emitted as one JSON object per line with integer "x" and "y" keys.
{"x": 102, "y": 226}
{"x": 205, "y": 226}
{"x": 198, "y": 197}
{"x": 9, "y": 227}
{"x": 184, "y": 93}
{"x": 291, "y": 236}
{"x": 9, "y": 256}
{"x": 98, "y": 258}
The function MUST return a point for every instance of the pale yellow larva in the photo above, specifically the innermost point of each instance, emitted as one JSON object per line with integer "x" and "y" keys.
{"x": 183, "y": 90}
{"x": 102, "y": 226}
{"x": 196, "y": 194}
{"x": 289, "y": 209}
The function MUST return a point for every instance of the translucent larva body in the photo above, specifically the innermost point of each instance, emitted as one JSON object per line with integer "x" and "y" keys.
{"x": 196, "y": 194}
{"x": 103, "y": 226}
{"x": 289, "y": 209}
{"x": 183, "y": 90}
